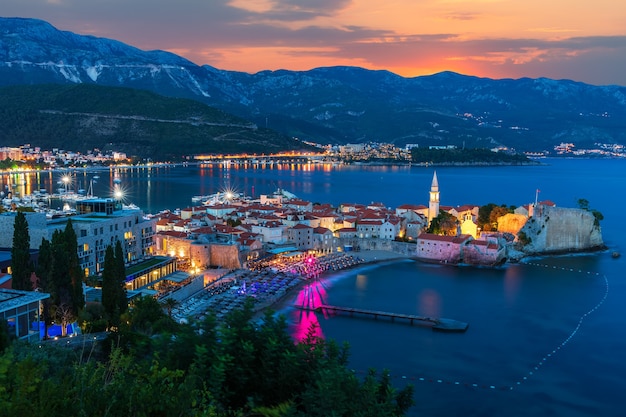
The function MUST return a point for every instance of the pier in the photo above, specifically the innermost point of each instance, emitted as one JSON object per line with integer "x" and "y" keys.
{"x": 437, "y": 324}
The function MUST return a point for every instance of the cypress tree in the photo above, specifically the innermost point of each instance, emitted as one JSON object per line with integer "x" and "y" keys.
{"x": 109, "y": 288}
{"x": 43, "y": 271}
{"x": 74, "y": 270}
{"x": 5, "y": 337}
{"x": 21, "y": 266}
{"x": 120, "y": 271}
{"x": 60, "y": 281}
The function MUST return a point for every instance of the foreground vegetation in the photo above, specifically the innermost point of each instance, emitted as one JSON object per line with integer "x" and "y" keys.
{"x": 156, "y": 367}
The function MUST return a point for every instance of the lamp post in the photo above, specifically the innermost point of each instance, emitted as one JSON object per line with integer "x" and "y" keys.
{"x": 66, "y": 181}
{"x": 118, "y": 195}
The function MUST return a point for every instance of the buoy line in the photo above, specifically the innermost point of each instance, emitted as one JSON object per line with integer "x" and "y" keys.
{"x": 573, "y": 332}
{"x": 533, "y": 369}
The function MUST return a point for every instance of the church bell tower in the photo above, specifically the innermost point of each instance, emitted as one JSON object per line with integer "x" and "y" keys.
{"x": 433, "y": 202}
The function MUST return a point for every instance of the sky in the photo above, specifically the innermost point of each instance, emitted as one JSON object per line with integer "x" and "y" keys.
{"x": 581, "y": 40}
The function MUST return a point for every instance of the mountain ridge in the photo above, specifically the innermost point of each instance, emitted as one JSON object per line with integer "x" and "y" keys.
{"x": 333, "y": 104}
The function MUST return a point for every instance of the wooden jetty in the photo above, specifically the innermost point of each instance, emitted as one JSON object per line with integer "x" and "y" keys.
{"x": 438, "y": 324}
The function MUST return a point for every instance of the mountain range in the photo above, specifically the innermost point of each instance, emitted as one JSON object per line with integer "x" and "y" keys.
{"x": 335, "y": 105}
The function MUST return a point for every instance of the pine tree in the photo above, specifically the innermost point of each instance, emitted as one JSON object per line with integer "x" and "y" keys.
{"x": 21, "y": 264}
{"x": 120, "y": 271}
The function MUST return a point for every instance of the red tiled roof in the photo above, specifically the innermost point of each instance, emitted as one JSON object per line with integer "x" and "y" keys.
{"x": 451, "y": 239}
{"x": 369, "y": 222}
{"x": 171, "y": 233}
{"x": 204, "y": 230}
{"x": 412, "y": 207}
{"x": 465, "y": 207}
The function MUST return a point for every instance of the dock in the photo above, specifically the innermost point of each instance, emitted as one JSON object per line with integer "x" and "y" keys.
{"x": 436, "y": 324}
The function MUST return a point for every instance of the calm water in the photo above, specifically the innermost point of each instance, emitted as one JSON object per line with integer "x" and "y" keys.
{"x": 549, "y": 335}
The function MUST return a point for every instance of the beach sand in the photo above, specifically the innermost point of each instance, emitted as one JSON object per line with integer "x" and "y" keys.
{"x": 368, "y": 256}
{"x": 200, "y": 302}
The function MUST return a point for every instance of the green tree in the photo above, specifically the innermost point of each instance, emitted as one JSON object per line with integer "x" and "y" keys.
{"x": 5, "y": 338}
{"x": 21, "y": 265}
{"x": 443, "y": 224}
{"x": 495, "y": 214}
{"x": 597, "y": 217}
{"x": 43, "y": 271}
{"x": 233, "y": 222}
{"x": 61, "y": 290}
{"x": 109, "y": 288}
{"x": 583, "y": 203}
{"x": 75, "y": 272}
{"x": 170, "y": 304}
{"x": 120, "y": 277}
{"x": 233, "y": 369}
{"x": 145, "y": 314}
{"x": 484, "y": 212}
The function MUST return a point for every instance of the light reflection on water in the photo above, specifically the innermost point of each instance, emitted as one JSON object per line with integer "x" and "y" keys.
{"x": 517, "y": 314}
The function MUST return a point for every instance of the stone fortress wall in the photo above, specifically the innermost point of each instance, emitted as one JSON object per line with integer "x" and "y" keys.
{"x": 559, "y": 229}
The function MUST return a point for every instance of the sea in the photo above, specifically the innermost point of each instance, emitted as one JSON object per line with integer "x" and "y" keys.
{"x": 546, "y": 336}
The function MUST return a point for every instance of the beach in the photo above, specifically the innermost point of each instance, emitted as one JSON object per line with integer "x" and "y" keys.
{"x": 273, "y": 288}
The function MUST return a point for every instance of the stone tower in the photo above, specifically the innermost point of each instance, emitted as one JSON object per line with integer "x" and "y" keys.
{"x": 433, "y": 202}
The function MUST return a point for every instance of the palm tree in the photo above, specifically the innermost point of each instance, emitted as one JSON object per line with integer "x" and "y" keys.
{"x": 169, "y": 304}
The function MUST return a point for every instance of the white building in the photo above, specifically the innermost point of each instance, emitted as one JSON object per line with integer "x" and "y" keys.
{"x": 301, "y": 236}
{"x": 433, "y": 202}
{"x": 101, "y": 222}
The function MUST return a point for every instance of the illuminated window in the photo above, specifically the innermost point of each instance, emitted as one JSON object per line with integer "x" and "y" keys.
{"x": 85, "y": 247}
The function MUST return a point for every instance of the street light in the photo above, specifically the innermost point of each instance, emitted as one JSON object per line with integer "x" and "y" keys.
{"x": 118, "y": 193}
{"x": 66, "y": 181}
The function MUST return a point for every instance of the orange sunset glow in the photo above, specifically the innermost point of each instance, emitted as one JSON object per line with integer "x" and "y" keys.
{"x": 579, "y": 40}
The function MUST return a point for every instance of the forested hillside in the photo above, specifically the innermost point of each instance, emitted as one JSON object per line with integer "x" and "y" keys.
{"x": 82, "y": 117}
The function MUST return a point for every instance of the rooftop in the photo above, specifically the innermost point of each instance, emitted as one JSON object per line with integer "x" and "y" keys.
{"x": 10, "y": 298}
{"x": 146, "y": 264}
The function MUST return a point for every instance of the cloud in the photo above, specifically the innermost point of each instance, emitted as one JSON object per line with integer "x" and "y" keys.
{"x": 290, "y": 10}
{"x": 252, "y": 35}
{"x": 461, "y": 16}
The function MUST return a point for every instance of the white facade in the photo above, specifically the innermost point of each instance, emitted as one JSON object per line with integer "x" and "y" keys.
{"x": 94, "y": 232}
{"x": 301, "y": 236}
{"x": 272, "y": 233}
